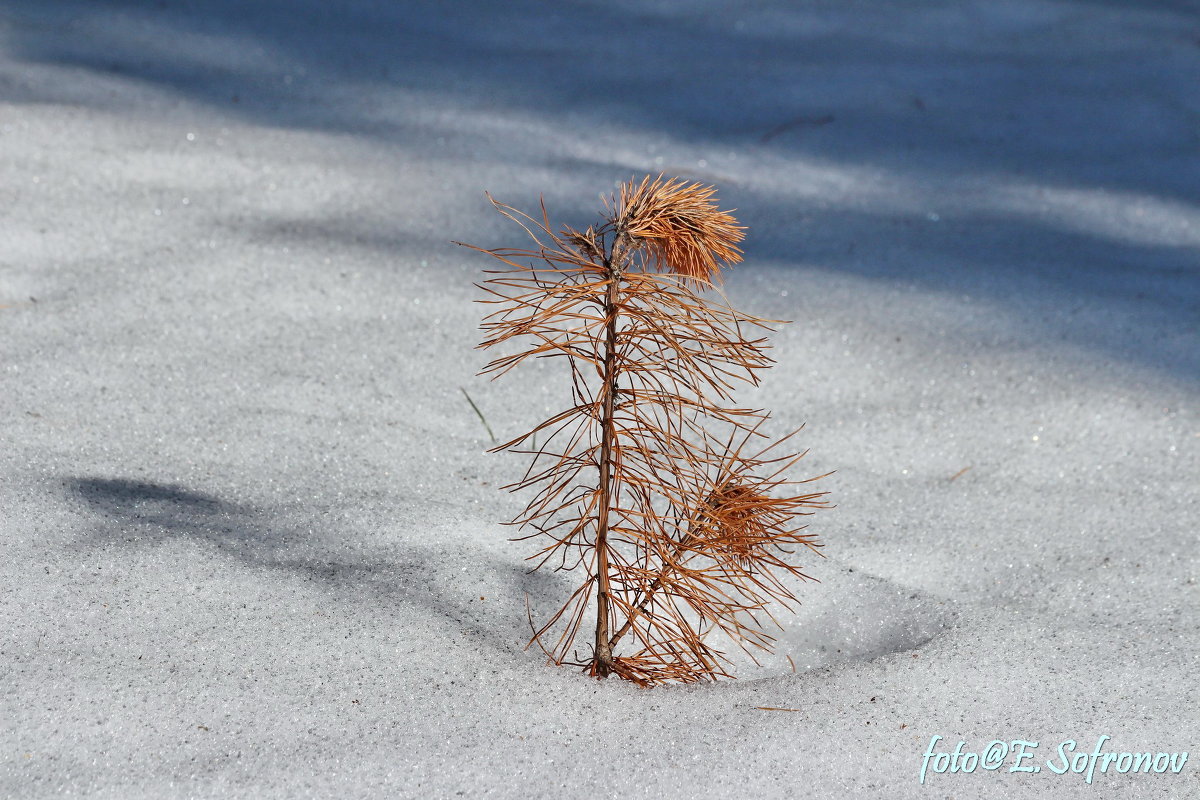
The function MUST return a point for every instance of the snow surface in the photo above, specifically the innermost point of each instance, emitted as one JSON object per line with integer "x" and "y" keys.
{"x": 252, "y": 541}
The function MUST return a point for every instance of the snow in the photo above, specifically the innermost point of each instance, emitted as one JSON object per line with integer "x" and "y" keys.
{"x": 252, "y": 539}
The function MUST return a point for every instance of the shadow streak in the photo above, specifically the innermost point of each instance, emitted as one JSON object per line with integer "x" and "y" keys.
{"x": 914, "y": 91}
{"x": 144, "y": 514}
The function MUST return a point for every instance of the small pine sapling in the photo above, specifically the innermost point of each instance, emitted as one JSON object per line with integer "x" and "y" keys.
{"x": 670, "y": 498}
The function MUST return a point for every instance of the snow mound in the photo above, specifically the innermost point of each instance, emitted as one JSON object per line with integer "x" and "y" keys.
{"x": 851, "y": 615}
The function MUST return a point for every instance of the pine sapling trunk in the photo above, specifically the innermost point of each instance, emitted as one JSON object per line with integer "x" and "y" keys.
{"x": 602, "y": 658}
{"x": 603, "y": 650}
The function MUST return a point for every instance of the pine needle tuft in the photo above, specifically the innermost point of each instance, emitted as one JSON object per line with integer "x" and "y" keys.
{"x": 680, "y": 227}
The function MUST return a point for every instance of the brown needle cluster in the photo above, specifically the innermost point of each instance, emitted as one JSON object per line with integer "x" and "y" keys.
{"x": 680, "y": 227}
{"x": 666, "y": 494}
